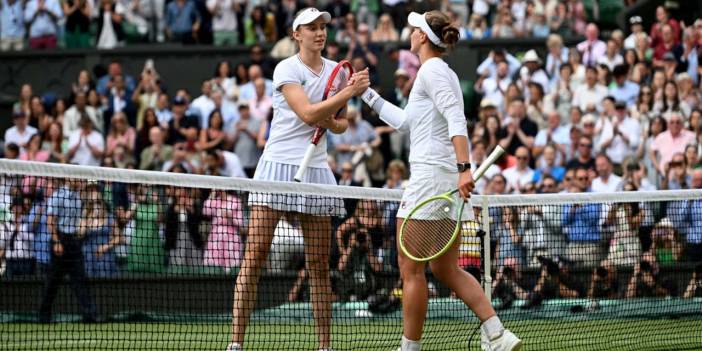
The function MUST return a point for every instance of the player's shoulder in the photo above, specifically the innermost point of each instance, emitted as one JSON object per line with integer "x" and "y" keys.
{"x": 288, "y": 63}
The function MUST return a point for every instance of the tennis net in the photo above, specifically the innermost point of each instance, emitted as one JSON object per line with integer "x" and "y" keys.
{"x": 150, "y": 260}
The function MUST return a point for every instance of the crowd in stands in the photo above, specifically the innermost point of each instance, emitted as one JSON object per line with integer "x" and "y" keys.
{"x": 613, "y": 113}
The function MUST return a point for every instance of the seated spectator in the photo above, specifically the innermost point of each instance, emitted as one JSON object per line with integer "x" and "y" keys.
{"x": 603, "y": 284}
{"x": 86, "y": 146}
{"x": 223, "y": 163}
{"x": 184, "y": 126}
{"x": 75, "y": 112}
{"x": 611, "y": 57}
{"x": 606, "y": 181}
{"x": 518, "y": 129}
{"x": 676, "y": 176}
{"x": 509, "y": 249}
{"x": 162, "y": 112}
{"x": 154, "y": 156}
{"x": 213, "y": 136}
{"x": 520, "y": 174}
{"x": 119, "y": 99}
{"x": 182, "y": 221}
{"x": 12, "y": 151}
{"x": 625, "y": 246}
{"x": 356, "y": 142}
{"x": 224, "y": 81}
{"x": 694, "y": 288}
{"x": 554, "y": 134}
{"x": 686, "y": 215}
{"x": 588, "y": 98}
{"x": 224, "y": 243}
{"x": 670, "y": 142}
{"x": 670, "y": 101}
{"x": 385, "y": 30}
{"x": 12, "y": 29}
{"x": 121, "y": 134}
{"x": 182, "y": 22}
{"x": 106, "y": 82}
{"x": 478, "y": 156}
{"x": 42, "y": 18}
{"x": 20, "y": 132}
{"x": 142, "y": 136}
{"x": 245, "y": 138}
{"x": 621, "y": 141}
{"x": 584, "y": 158}
{"x": 531, "y": 72}
{"x": 547, "y": 166}
{"x": 347, "y": 178}
{"x": 666, "y": 246}
{"x": 262, "y": 104}
{"x": 54, "y": 143}
{"x": 666, "y": 44}
{"x": 100, "y": 232}
{"x": 247, "y": 91}
{"x": 493, "y": 87}
{"x": 203, "y": 104}
{"x": 478, "y": 28}
{"x": 33, "y": 151}
{"x": 644, "y": 282}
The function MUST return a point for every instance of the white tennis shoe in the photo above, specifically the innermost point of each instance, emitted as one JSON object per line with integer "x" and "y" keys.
{"x": 234, "y": 347}
{"x": 506, "y": 341}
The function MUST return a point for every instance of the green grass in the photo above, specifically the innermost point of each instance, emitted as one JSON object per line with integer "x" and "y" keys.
{"x": 684, "y": 334}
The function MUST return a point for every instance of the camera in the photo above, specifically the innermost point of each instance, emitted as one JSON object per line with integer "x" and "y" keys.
{"x": 602, "y": 272}
{"x": 361, "y": 237}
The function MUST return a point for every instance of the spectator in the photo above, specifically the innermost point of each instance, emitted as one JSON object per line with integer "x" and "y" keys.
{"x": 284, "y": 47}
{"x": 666, "y": 246}
{"x": 247, "y": 91}
{"x": 581, "y": 225}
{"x": 244, "y": 138}
{"x": 262, "y": 104}
{"x": 154, "y": 156}
{"x": 636, "y": 27}
{"x": 611, "y": 57}
{"x": 689, "y": 56}
{"x": 691, "y": 158}
{"x": 224, "y": 81}
{"x": 477, "y": 28}
{"x": 519, "y": 175}
{"x": 592, "y": 49}
{"x": 224, "y": 21}
{"x": 121, "y": 134}
{"x": 257, "y": 56}
{"x": 503, "y": 25}
{"x": 229, "y": 110}
{"x": 589, "y": 97}
{"x": 183, "y": 126}
{"x": 478, "y": 156}
{"x": 644, "y": 282}
{"x": 148, "y": 19}
{"x": 285, "y": 12}
{"x": 624, "y": 247}
{"x": 203, "y": 104}
{"x": 556, "y": 57}
{"x": 54, "y": 143}
{"x": 147, "y": 93}
{"x": 667, "y": 44}
{"x": 42, "y": 18}
{"x": 38, "y": 117}
{"x": 359, "y": 265}
{"x": 624, "y": 138}
{"x": 518, "y": 130}
{"x": 356, "y": 143}
{"x": 223, "y": 163}
{"x": 109, "y": 31}
{"x": 20, "y": 133}
{"x": 33, "y": 151}
{"x": 142, "y": 138}
{"x": 670, "y": 101}
{"x": 694, "y": 288}
{"x": 662, "y": 19}
{"x": 259, "y": 27}
{"x": 183, "y": 161}
{"x": 670, "y": 142}
{"x": 24, "y": 100}
{"x": 146, "y": 250}
{"x": 86, "y": 146}
{"x": 385, "y": 31}
{"x": 606, "y": 181}
{"x": 16, "y": 240}
{"x": 79, "y": 15}
{"x": 603, "y": 284}
{"x": 686, "y": 216}
{"x": 548, "y": 166}
{"x": 182, "y": 21}
{"x": 347, "y": 33}
{"x": 493, "y": 87}
{"x": 79, "y": 109}
{"x": 554, "y": 134}
{"x": 120, "y": 100}
{"x": 182, "y": 221}
{"x": 489, "y": 66}
{"x": 106, "y": 82}
{"x": 162, "y": 113}
{"x": 100, "y": 233}
{"x": 623, "y": 89}
{"x": 64, "y": 211}
{"x": 12, "y": 29}
{"x": 676, "y": 176}
{"x": 224, "y": 244}
{"x": 212, "y": 137}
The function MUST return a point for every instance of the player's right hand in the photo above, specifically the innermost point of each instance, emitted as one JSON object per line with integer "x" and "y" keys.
{"x": 359, "y": 82}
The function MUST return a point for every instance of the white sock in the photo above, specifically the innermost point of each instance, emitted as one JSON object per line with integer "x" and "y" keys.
{"x": 492, "y": 327}
{"x": 409, "y": 345}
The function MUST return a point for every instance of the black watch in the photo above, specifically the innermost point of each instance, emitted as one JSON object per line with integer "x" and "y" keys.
{"x": 463, "y": 166}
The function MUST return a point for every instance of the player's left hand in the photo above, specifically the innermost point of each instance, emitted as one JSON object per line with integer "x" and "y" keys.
{"x": 465, "y": 184}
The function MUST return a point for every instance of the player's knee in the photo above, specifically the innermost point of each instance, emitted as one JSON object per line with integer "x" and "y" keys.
{"x": 441, "y": 271}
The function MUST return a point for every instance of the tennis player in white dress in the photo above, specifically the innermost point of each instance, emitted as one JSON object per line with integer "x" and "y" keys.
{"x": 299, "y": 83}
{"x": 439, "y": 163}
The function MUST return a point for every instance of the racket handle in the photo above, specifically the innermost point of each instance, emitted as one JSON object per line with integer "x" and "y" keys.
{"x": 489, "y": 161}
{"x": 305, "y": 162}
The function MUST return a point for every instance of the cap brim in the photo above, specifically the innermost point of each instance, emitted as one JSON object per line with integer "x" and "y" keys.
{"x": 415, "y": 19}
{"x": 310, "y": 17}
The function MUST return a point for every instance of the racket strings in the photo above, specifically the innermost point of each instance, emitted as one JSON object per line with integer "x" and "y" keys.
{"x": 429, "y": 229}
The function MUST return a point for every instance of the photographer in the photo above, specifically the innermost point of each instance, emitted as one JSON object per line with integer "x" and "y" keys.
{"x": 358, "y": 265}
{"x": 552, "y": 283}
{"x": 507, "y": 288}
{"x": 644, "y": 282}
{"x": 603, "y": 284}
{"x": 694, "y": 289}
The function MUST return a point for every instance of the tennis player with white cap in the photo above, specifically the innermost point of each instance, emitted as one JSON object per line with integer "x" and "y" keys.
{"x": 438, "y": 161}
{"x": 299, "y": 82}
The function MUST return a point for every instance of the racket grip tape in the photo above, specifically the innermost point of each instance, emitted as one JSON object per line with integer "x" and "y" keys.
{"x": 305, "y": 162}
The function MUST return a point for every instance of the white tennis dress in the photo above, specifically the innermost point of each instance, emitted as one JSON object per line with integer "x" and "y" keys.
{"x": 433, "y": 115}
{"x": 288, "y": 140}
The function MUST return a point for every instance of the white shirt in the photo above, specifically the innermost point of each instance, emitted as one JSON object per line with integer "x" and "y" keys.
{"x": 232, "y": 166}
{"x": 434, "y": 114}
{"x": 22, "y": 246}
{"x": 611, "y": 185}
{"x": 13, "y": 135}
{"x": 289, "y": 135}
{"x": 561, "y": 135}
{"x": 205, "y": 106}
{"x": 585, "y": 96}
{"x": 72, "y": 117}
{"x": 494, "y": 88}
{"x": 517, "y": 179}
{"x": 610, "y": 62}
{"x": 618, "y": 150}
{"x": 83, "y": 156}
{"x": 224, "y": 19}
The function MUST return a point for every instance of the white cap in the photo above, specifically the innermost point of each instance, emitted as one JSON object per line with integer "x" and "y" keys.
{"x": 416, "y": 20}
{"x": 531, "y": 56}
{"x": 308, "y": 16}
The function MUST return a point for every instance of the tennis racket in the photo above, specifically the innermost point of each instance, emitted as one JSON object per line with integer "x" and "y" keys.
{"x": 430, "y": 229}
{"x": 337, "y": 81}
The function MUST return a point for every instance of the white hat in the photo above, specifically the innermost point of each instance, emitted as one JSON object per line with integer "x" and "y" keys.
{"x": 416, "y": 20}
{"x": 531, "y": 56}
{"x": 308, "y": 16}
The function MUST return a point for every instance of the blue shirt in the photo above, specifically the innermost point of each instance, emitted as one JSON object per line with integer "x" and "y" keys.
{"x": 628, "y": 92}
{"x": 65, "y": 205}
{"x": 583, "y": 224}
{"x": 42, "y": 236}
{"x": 43, "y": 24}
{"x": 687, "y": 218}
{"x": 181, "y": 20}
{"x": 12, "y": 20}
{"x": 558, "y": 173}
{"x": 362, "y": 133}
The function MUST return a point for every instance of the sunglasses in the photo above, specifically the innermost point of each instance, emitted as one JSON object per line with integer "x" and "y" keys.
{"x": 549, "y": 185}
{"x": 568, "y": 179}
{"x": 522, "y": 157}
{"x": 586, "y": 145}
{"x": 676, "y": 164}
{"x": 582, "y": 179}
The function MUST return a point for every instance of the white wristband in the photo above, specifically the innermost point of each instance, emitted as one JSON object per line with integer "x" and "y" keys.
{"x": 370, "y": 96}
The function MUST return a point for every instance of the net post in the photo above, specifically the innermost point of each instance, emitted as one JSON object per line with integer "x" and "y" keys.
{"x": 487, "y": 272}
